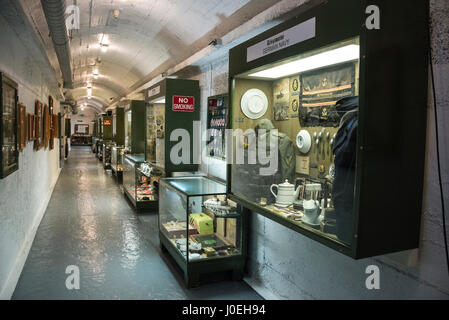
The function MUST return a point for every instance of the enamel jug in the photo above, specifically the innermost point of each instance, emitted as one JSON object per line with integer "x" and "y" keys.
{"x": 286, "y": 194}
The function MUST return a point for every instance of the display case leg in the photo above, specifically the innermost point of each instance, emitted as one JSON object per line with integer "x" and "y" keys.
{"x": 192, "y": 280}
{"x": 237, "y": 275}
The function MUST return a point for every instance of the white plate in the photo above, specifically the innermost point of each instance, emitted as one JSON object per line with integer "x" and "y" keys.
{"x": 303, "y": 141}
{"x": 254, "y": 103}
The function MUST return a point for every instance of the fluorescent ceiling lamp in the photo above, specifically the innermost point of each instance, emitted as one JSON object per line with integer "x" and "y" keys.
{"x": 160, "y": 100}
{"x": 328, "y": 58}
{"x": 104, "y": 47}
{"x": 89, "y": 92}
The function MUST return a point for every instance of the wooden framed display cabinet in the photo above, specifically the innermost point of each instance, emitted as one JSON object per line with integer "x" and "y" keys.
{"x": 342, "y": 96}
{"x": 203, "y": 232}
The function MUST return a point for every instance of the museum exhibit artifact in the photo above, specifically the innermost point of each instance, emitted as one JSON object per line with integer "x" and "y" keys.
{"x": 332, "y": 119}
{"x": 9, "y": 156}
{"x": 134, "y": 125}
{"x": 201, "y": 229}
{"x": 141, "y": 182}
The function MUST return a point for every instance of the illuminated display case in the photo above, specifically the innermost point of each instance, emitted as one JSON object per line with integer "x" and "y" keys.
{"x": 336, "y": 114}
{"x": 172, "y": 104}
{"x": 100, "y": 143}
{"x": 141, "y": 182}
{"x": 201, "y": 229}
{"x": 117, "y": 159}
{"x": 9, "y": 155}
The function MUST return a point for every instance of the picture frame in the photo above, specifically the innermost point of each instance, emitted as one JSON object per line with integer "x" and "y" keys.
{"x": 38, "y": 123}
{"x": 51, "y": 122}
{"x": 81, "y": 129}
{"x": 22, "y": 127}
{"x": 46, "y": 126}
{"x": 31, "y": 127}
{"x": 9, "y": 154}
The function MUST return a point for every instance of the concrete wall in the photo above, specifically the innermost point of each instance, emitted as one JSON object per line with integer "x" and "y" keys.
{"x": 24, "y": 195}
{"x": 286, "y": 265}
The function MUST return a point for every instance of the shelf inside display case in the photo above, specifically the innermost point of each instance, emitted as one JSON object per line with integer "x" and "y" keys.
{"x": 320, "y": 123}
{"x": 200, "y": 228}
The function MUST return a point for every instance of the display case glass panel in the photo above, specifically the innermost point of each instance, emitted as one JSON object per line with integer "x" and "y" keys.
{"x": 107, "y": 153}
{"x": 8, "y": 118}
{"x": 141, "y": 182}
{"x": 117, "y": 157}
{"x": 197, "y": 220}
{"x": 312, "y": 185}
{"x": 128, "y": 128}
{"x": 155, "y": 144}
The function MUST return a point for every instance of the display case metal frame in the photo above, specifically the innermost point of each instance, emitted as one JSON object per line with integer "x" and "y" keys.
{"x": 392, "y": 116}
{"x": 4, "y": 172}
{"x": 195, "y": 270}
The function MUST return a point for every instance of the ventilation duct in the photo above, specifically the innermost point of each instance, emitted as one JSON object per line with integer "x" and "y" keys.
{"x": 54, "y": 11}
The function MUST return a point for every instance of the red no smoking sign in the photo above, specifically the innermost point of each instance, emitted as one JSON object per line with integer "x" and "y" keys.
{"x": 181, "y": 103}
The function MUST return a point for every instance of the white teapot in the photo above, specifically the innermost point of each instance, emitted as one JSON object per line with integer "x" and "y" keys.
{"x": 286, "y": 194}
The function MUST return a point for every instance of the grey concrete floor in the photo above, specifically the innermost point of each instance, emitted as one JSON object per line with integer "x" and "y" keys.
{"x": 89, "y": 224}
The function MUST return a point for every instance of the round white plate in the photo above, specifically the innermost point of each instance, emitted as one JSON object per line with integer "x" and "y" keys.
{"x": 303, "y": 141}
{"x": 254, "y": 103}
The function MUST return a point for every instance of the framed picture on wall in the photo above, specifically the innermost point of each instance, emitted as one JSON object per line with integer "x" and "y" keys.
{"x": 46, "y": 126}
{"x": 9, "y": 155}
{"x": 81, "y": 128}
{"x": 31, "y": 127}
{"x": 52, "y": 134}
{"x": 38, "y": 122}
{"x": 55, "y": 123}
{"x": 22, "y": 127}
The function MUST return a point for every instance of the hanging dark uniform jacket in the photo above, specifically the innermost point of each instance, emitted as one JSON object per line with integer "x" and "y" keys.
{"x": 344, "y": 150}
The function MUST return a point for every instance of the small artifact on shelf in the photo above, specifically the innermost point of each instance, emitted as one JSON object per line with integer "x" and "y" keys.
{"x": 209, "y": 251}
{"x": 202, "y": 222}
{"x": 217, "y": 207}
{"x": 176, "y": 229}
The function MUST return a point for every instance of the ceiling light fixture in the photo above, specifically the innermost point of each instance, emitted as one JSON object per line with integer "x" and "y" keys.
{"x": 89, "y": 92}
{"x": 328, "y": 58}
{"x": 104, "y": 47}
{"x": 160, "y": 100}
{"x": 95, "y": 73}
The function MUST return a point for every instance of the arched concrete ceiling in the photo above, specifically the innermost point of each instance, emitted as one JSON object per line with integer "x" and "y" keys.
{"x": 147, "y": 37}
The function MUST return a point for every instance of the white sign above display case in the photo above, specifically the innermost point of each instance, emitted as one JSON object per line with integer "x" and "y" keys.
{"x": 299, "y": 33}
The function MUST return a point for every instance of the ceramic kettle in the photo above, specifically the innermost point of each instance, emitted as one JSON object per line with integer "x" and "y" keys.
{"x": 286, "y": 194}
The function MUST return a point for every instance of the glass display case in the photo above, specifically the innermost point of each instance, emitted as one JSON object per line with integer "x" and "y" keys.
{"x": 172, "y": 104}
{"x": 200, "y": 228}
{"x": 100, "y": 149}
{"x": 107, "y": 153}
{"x": 141, "y": 182}
{"x": 94, "y": 144}
{"x": 321, "y": 123}
{"x": 117, "y": 159}
{"x": 9, "y": 156}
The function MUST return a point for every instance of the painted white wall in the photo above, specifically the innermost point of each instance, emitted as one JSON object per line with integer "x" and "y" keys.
{"x": 24, "y": 195}
{"x": 284, "y": 264}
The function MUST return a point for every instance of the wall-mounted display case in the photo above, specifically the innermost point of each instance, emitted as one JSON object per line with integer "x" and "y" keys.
{"x": 200, "y": 228}
{"x": 172, "y": 104}
{"x": 134, "y": 126}
{"x": 141, "y": 182}
{"x": 337, "y": 113}
{"x": 9, "y": 155}
{"x": 117, "y": 159}
{"x": 217, "y": 110}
